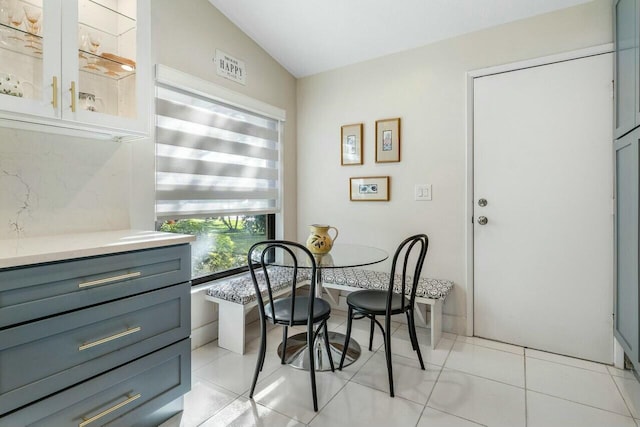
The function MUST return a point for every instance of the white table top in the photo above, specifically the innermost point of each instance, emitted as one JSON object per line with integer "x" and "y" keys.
{"x": 36, "y": 250}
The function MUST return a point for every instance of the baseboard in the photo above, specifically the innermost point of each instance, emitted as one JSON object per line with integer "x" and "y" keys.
{"x": 204, "y": 334}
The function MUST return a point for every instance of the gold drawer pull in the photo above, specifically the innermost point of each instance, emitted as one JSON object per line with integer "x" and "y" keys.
{"x": 111, "y": 338}
{"x": 109, "y": 280}
{"x": 88, "y": 421}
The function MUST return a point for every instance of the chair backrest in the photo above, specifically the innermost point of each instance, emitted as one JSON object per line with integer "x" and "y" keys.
{"x": 412, "y": 251}
{"x": 283, "y": 253}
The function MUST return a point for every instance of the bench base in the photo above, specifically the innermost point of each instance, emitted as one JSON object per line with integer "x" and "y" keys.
{"x": 232, "y": 314}
{"x": 232, "y": 320}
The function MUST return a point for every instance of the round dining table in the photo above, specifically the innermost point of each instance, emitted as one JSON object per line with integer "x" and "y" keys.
{"x": 340, "y": 256}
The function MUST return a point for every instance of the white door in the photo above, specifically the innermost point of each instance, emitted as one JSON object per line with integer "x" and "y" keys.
{"x": 543, "y": 162}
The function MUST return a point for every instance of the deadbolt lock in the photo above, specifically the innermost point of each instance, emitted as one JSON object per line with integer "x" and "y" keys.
{"x": 482, "y": 202}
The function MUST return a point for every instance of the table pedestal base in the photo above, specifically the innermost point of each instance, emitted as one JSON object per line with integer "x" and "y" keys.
{"x": 297, "y": 354}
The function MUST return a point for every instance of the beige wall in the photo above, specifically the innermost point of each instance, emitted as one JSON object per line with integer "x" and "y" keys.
{"x": 185, "y": 37}
{"x": 426, "y": 87}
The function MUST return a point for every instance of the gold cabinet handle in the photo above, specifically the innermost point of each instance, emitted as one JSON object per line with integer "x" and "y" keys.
{"x": 72, "y": 89}
{"x": 109, "y": 280}
{"x": 88, "y": 421}
{"x": 54, "y": 84}
{"x": 111, "y": 338}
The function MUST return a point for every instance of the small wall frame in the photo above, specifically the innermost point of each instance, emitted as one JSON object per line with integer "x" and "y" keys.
{"x": 369, "y": 189}
{"x": 351, "y": 144}
{"x": 388, "y": 140}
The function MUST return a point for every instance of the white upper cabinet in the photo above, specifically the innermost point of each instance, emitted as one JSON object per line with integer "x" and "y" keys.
{"x": 75, "y": 66}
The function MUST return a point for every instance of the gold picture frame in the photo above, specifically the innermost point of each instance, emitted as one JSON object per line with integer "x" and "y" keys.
{"x": 388, "y": 140}
{"x": 369, "y": 189}
{"x": 351, "y": 144}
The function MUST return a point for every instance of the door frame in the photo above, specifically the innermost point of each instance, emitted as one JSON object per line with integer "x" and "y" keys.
{"x": 469, "y": 197}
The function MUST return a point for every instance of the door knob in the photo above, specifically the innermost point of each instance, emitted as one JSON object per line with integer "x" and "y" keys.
{"x": 482, "y": 203}
{"x": 482, "y": 220}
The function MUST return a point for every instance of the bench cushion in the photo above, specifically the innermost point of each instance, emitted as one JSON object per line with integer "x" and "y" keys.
{"x": 369, "y": 279}
{"x": 240, "y": 289}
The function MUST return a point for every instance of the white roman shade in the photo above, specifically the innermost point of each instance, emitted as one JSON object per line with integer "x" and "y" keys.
{"x": 213, "y": 158}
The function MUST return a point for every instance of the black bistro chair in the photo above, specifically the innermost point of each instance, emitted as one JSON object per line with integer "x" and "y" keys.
{"x": 287, "y": 311}
{"x": 397, "y": 299}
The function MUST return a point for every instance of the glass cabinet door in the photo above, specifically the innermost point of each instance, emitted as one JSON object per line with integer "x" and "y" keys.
{"x": 29, "y": 57}
{"x": 107, "y": 57}
{"x": 101, "y": 67}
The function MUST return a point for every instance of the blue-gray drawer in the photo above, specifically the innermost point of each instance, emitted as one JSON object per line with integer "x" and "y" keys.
{"x": 34, "y": 292}
{"x": 41, "y": 357}
{"x": 120, "y": 397}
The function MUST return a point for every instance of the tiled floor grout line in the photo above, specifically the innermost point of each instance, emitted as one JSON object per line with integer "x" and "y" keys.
{"x": 332, "y": 397}
{"x": 581, "y": 403}
{"x": 457, "y": 340}
{"x": 526, "y": 400}
{"x": 484, "y": 378}
{"x": 539, "y": 392}
{"x": 571, "y": 366}
{"x": 450, "y": 351}
{"x": 435, "y": 384}
{"x": 344, "y": 386}
{"x": 267, "y": 406}
{"x": 236, "y": 396}
{"x": 622, "y": 395}
{"x": 429, "y": 397}
{"x": 457, "y": 416}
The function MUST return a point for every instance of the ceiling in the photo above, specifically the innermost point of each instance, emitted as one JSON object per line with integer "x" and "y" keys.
{"x": 311, "y": 36}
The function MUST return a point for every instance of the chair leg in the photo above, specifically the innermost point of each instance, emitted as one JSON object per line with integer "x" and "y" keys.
{"x": 312, "y": 368}
{"x": 387, "y": 351}
{"x": 345, "y": 348}
{"x": 373, "y": 324}
{"x": 285, "y": 331}
{"x": 413, "y": 341}
{"x": 412, "y": 332}
{"x": 261, "y": 355}
{"x": 328, "y": 345}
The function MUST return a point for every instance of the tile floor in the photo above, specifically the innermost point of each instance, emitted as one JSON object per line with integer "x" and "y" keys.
{"x": 467, "y": 382}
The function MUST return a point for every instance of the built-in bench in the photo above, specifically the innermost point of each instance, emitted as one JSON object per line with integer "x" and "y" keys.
{"x": 236, "y": 296}
{"x": 429, "y": 291}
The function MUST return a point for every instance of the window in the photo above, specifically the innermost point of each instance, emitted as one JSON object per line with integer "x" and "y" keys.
{"x": 217, "y": 170}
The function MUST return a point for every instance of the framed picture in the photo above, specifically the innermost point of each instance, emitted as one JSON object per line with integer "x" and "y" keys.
{"x": 369, "y": 189}
{"x": 388, "y": 140}
{"x": 351, "y": 144}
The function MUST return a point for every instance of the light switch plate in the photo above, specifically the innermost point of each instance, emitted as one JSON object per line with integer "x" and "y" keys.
{"x": 422, "y": 192}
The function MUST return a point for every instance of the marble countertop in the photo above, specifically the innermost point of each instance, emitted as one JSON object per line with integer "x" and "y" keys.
{"x": 35, "y": 250}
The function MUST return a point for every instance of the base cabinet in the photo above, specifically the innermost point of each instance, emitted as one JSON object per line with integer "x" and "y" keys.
{"x": 627, "y": 238}
{"x": 112, "y": 347}
{"x": 121, "y": 397}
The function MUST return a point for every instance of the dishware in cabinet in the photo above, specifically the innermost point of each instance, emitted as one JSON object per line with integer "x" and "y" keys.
{"x": 83, "y": 67}
{"x": 29, "y": 59}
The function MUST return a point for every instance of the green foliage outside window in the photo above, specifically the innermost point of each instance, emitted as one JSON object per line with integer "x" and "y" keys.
{"x": 222, "y": 243}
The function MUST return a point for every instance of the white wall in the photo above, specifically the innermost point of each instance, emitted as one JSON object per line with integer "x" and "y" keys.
{"x": 186, "y": 38}
{"x": 426, "y": 88}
